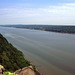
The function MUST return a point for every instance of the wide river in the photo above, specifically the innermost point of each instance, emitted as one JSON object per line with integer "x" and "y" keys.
{"x": 52, "y": 53}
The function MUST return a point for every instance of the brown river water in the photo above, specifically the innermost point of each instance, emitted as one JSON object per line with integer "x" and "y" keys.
{"x": 52, "y": 53}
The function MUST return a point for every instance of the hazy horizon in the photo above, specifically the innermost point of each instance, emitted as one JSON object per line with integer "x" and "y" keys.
{"x": 36, "y": 24}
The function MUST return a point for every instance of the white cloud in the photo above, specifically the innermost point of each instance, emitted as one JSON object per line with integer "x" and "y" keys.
{"x": 58, "y": 14}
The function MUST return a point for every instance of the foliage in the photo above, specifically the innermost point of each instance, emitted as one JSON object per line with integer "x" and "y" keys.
{"x": 10, "y": 57}
{"x": 8, "y": 73}
{"x": 34, "y": 68}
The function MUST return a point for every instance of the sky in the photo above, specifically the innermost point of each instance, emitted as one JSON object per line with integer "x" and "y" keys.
{"x": 50, "y": 12}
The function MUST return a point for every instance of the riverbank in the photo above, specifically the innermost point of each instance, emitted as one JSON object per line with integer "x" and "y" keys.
{"x": 52, "y": 28}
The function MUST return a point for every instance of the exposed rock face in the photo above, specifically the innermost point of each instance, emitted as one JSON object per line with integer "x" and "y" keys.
{"x": 1, "y": 69}
{"x": 24, "y": 71}
{"x": 27, "y": 71}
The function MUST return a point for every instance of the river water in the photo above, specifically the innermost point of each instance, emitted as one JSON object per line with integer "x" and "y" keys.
{"x": 52, "y": 53}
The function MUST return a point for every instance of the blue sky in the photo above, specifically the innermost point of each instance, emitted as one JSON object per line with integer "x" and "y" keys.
{"x": 53, "y": 12}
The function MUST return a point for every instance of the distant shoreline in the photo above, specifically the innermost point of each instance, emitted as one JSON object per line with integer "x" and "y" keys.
{"x": 50, "y": 28}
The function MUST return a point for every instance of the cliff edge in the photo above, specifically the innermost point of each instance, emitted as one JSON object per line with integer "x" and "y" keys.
{"x": 27, "y": 71}
{"x": 24, "y": 71}
{"x": 13, "y": 60}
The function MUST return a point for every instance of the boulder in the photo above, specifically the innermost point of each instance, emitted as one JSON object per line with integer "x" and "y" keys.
{"x": 1, "y": 69}
{"x": 26, "y": 71}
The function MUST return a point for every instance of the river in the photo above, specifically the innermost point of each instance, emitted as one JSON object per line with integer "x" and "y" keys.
{"x": 52, "y": 53}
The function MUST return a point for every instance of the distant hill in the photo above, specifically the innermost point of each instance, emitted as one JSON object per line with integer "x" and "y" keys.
{"x": 52, "y": 28}
{"x": 11, "y": 58}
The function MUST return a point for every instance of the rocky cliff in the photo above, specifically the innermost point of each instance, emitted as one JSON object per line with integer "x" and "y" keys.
{"x": 27, "y": 71}
{"x": 13, "y": 60}
{"x": 24, "y": 71}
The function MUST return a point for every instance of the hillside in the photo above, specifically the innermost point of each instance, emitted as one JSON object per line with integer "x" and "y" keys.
{"x": 11, "y": 58}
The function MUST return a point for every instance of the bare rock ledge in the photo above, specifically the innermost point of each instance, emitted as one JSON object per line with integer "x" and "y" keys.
{"x": 26, "y": 71}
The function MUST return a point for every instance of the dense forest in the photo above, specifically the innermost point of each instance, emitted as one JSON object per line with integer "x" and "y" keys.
{"x": 52, "y": 28}
{"x": 10, "y": 57}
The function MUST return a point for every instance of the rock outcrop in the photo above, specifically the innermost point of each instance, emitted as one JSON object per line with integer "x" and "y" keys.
{"x": 24, "y": 71}
{"x": 1, "y": 69}
{"x": 27, "y": 71}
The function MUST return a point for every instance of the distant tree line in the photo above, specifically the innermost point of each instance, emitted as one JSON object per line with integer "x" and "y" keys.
{"x": 52, "y": 28}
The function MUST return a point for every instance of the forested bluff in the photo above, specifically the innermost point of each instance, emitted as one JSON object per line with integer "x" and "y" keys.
{"x": 13, "y": 60}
